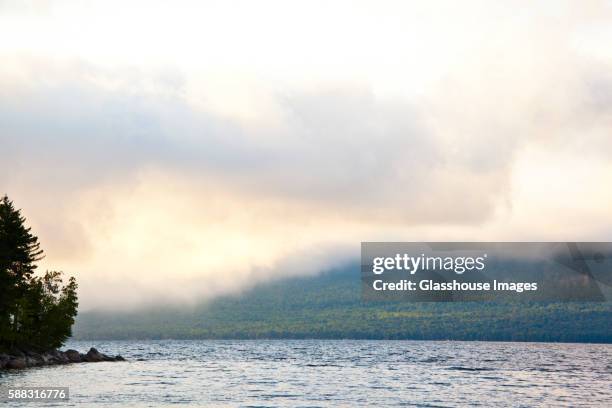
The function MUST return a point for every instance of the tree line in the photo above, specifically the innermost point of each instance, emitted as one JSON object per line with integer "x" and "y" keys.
{"x": 36, "y": 311}
{"x": 329, "y": 306}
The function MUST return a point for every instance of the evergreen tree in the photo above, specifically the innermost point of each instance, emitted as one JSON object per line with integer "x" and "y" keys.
{"x": 35, "y": 312}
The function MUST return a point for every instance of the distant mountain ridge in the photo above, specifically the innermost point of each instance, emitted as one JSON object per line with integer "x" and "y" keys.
{"x": 329, "y": 306}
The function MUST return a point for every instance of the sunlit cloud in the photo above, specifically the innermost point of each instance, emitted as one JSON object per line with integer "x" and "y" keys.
{"x": 175, "y": 152}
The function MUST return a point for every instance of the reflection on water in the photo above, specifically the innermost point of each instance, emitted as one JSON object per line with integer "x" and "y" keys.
{"x": 324, "y": 373}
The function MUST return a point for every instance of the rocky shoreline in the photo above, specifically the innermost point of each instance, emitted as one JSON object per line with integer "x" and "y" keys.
{"x": 25, "y": 359}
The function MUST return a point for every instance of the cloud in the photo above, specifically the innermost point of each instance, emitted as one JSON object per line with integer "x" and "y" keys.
{"x": 183, "y": 163}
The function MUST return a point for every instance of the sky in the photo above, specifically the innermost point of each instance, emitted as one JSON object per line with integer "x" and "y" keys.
{"x": 178, "y": 151}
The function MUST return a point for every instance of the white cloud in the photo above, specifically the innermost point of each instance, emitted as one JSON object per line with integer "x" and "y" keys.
{"x": 219, "y": 144}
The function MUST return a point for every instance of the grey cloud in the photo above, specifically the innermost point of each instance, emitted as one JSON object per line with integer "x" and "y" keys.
{"x": 342, "y": 153}
{"x": 343, "y": 148}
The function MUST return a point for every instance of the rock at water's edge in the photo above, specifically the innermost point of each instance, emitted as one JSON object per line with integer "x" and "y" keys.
{"x": 94, "y": 355}
{"x": 73, "y": 355}
{"x": 17, "y": 362}
{"x": 19, "y": 359}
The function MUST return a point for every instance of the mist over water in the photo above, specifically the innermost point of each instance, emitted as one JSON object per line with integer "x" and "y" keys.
{"x": 322, "y": 373}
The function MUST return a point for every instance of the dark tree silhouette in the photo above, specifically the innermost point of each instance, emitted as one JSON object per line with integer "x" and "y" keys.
{"x": 36, "y": 312}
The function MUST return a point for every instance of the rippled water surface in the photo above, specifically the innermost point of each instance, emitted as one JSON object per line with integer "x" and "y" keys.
{"x": 337, "y": 373}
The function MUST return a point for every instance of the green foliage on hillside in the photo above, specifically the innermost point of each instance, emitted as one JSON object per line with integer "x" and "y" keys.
{"x": 329, "y": 306}
{"x": 36, "y": 312}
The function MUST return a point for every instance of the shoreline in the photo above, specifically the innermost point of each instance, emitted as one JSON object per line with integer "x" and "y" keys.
{"x": 364, "y": 339}
{"x": 26, "y": 359}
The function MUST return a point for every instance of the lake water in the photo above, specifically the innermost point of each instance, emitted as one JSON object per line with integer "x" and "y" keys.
{"x": 333, "y": 373}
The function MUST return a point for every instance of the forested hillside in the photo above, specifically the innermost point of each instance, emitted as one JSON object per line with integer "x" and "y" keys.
{"x": 329, "y": 306}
